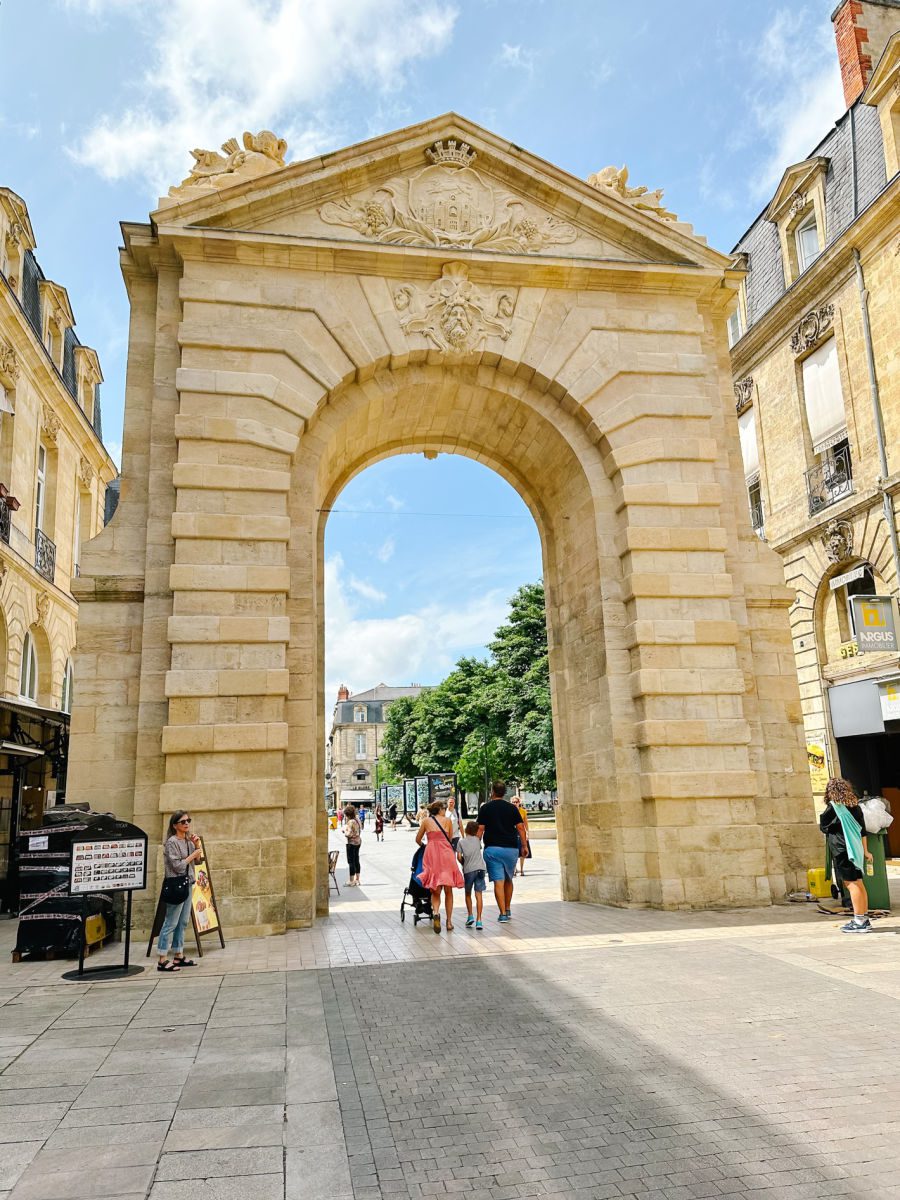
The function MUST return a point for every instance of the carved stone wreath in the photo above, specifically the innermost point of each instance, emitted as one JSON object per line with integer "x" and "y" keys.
{"x": 743, "y": 394}
{"x": 453, "y": 314}
{"x": 799, "y": 201}
{"x": 448, "y": 204}
{"x": 812, "y": 328}
{"x": 838, "y": 541}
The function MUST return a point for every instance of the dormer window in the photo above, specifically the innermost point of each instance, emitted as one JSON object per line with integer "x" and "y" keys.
{"x": 359, "y": 714}
{"x": 806, "y": 238}
{"x": 798, "y": 211}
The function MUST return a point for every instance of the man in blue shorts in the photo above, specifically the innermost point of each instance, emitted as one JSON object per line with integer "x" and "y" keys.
{"x": 505, "y": 838}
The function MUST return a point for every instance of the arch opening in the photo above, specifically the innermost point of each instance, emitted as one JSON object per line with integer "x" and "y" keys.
{"x": 550, "y": 461}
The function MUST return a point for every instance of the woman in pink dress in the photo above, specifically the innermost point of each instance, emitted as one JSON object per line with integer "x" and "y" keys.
{"x": 440, "y": 870}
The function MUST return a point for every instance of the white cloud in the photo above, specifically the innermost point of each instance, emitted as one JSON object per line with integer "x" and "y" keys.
{"x": 218, "y": 67}
{"x": 362, "y": 651}
{"x": 366, "y": 590}
{"x": 517, "y": 58}
{"x": 114, "y": 450}
{"x": 385, "y": 551}
{"x": 394, "y": 503}
{"x": 800, "y": 93}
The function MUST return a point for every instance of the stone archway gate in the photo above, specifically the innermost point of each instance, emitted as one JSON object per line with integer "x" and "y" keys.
{"x": 437, "y": 289}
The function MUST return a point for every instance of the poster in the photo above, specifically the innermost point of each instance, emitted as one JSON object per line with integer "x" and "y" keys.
{"x": 443, "y": 786}
{"x": 423, "y": 792}
{"x": 203, "y": 899}
{"x": 409, "y": 796}
{"x": 818, "y": 765}
{"x": 114, "y": 865}
{"x": 394, "y": 794}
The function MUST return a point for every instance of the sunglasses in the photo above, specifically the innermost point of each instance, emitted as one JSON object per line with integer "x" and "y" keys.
{"x": 184, "y": 821}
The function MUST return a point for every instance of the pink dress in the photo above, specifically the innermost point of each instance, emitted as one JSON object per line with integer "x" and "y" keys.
{"x": 439, "y": 865}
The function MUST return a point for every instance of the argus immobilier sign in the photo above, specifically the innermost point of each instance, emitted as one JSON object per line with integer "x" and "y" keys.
{"x": 874, "y": 620}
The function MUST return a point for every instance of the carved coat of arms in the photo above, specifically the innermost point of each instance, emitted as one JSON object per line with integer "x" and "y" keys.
{"x": 448, "y": 204}
{"x": 454, "y": 314}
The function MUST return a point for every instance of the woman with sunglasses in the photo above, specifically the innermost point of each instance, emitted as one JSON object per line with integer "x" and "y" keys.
{"x": 180, "y": 852}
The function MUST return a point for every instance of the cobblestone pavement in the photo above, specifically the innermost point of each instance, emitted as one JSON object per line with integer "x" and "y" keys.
{"x": 577, "y": 1053}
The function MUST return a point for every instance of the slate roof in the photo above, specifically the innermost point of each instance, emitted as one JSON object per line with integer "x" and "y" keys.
{"x": 853, "y": 147}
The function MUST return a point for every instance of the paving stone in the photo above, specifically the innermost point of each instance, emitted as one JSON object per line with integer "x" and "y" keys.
{"x": 239, "y": 1187}
{"x": 221, "y": 1163}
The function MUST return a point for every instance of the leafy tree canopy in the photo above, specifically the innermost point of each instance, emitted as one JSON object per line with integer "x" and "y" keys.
{"x": 492, "y": 715}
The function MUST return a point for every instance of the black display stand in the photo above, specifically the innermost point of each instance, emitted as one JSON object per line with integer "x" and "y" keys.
{"x": 111, "y": 971}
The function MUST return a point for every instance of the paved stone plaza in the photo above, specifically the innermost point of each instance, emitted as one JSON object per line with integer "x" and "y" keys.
{"x": 579, "y": 1052}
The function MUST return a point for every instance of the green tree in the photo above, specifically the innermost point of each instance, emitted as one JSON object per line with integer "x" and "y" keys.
{"x": 398, "y": 746}
{"x": 522, "y": 689}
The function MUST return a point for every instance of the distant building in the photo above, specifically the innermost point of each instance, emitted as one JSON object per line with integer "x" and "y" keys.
{"x": 357, "y": 730}
{"x": 817, "y": 388}
{"x": 54, "y": 475}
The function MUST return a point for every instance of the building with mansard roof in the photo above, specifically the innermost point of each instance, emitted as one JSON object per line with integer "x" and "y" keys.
{"x": 54, "y": 475}
{"x": 357, "y": 730}
{"x": 816, "y": 371}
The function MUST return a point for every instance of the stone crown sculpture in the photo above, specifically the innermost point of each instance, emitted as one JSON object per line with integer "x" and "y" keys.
{"x": 615, "y": 179}
{"x": 263, "y": 152}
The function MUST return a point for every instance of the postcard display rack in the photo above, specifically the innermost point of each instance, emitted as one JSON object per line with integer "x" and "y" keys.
{"x": 103, "y": 860}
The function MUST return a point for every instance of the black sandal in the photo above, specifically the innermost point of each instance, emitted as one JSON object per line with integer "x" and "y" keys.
{"x": 184, "y": 962}
{"x": 168, "y": 967}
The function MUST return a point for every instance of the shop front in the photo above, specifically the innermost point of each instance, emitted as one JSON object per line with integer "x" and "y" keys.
{"x": 865, "y": 720}
{"x": 34, "y": 745}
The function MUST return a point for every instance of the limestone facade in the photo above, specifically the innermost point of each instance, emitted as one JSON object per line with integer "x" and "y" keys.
{"x": 53, "y": 477}
{"x": 439, "y": 289}
{"x": 806, "y": 401}
{"x": 354, "y": 742}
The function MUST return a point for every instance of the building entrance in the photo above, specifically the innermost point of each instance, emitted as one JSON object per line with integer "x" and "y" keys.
{"x": 291, "y": 326}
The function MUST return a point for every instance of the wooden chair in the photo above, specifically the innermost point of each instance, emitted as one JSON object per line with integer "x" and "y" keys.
{"x": 333, "y": 856}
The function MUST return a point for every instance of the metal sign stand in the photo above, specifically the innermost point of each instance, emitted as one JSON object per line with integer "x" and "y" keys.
{"x": 112, "y": 970}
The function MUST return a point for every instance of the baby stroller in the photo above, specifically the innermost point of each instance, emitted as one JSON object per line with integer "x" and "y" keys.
{"x": 414, "y": 895}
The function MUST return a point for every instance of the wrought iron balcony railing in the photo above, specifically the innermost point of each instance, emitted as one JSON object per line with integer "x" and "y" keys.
{"x": 830, "y": 481}
{"x": 44, "y": 555}
{"x": 758, "y": 520}
{"x": 5, "y": 522}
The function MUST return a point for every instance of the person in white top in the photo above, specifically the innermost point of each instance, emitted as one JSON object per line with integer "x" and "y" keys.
{"x": 453, "y": 817}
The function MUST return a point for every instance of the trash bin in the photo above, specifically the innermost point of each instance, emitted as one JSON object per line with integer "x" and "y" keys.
{"x": 877, "y": 887}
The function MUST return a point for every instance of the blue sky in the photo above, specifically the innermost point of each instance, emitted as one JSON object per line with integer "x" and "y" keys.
{"x": 102, "y": 100}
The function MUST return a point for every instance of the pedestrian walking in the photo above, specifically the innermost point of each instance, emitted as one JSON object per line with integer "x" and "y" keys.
{"x": 353, "y": 834}
{"x": 379, "y": 824}
{"x": 440, "y": 870}
{"x": 472, "y": 859}
{"x": 361, "y": 816}
{"x": 392, "y": 816}
{"x": 453, "y": 818}
{"x": 180, "y": 851}
{"x": 523, "y": 813}
{"x": 505, "y": 838}
{"x": 844, "y": 827}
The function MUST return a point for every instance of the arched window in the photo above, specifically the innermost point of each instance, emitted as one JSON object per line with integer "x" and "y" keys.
{"x": 68, "y": 680}
{"x": 28, "y": 680}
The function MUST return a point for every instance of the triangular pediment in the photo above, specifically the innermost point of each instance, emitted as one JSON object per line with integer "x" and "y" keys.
{"x": 796, "y": 180}
{"x": 445, "y": 184}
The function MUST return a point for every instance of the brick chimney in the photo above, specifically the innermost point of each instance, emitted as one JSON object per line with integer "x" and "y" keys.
{"x": 343, "y": 693}
{"x": 862, "y": 29}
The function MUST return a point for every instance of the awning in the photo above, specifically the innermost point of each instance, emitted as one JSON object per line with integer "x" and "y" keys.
{"x": 353, "y": 795}
{"x": 823, "y": 397}
{"x": 749, "y": 447}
